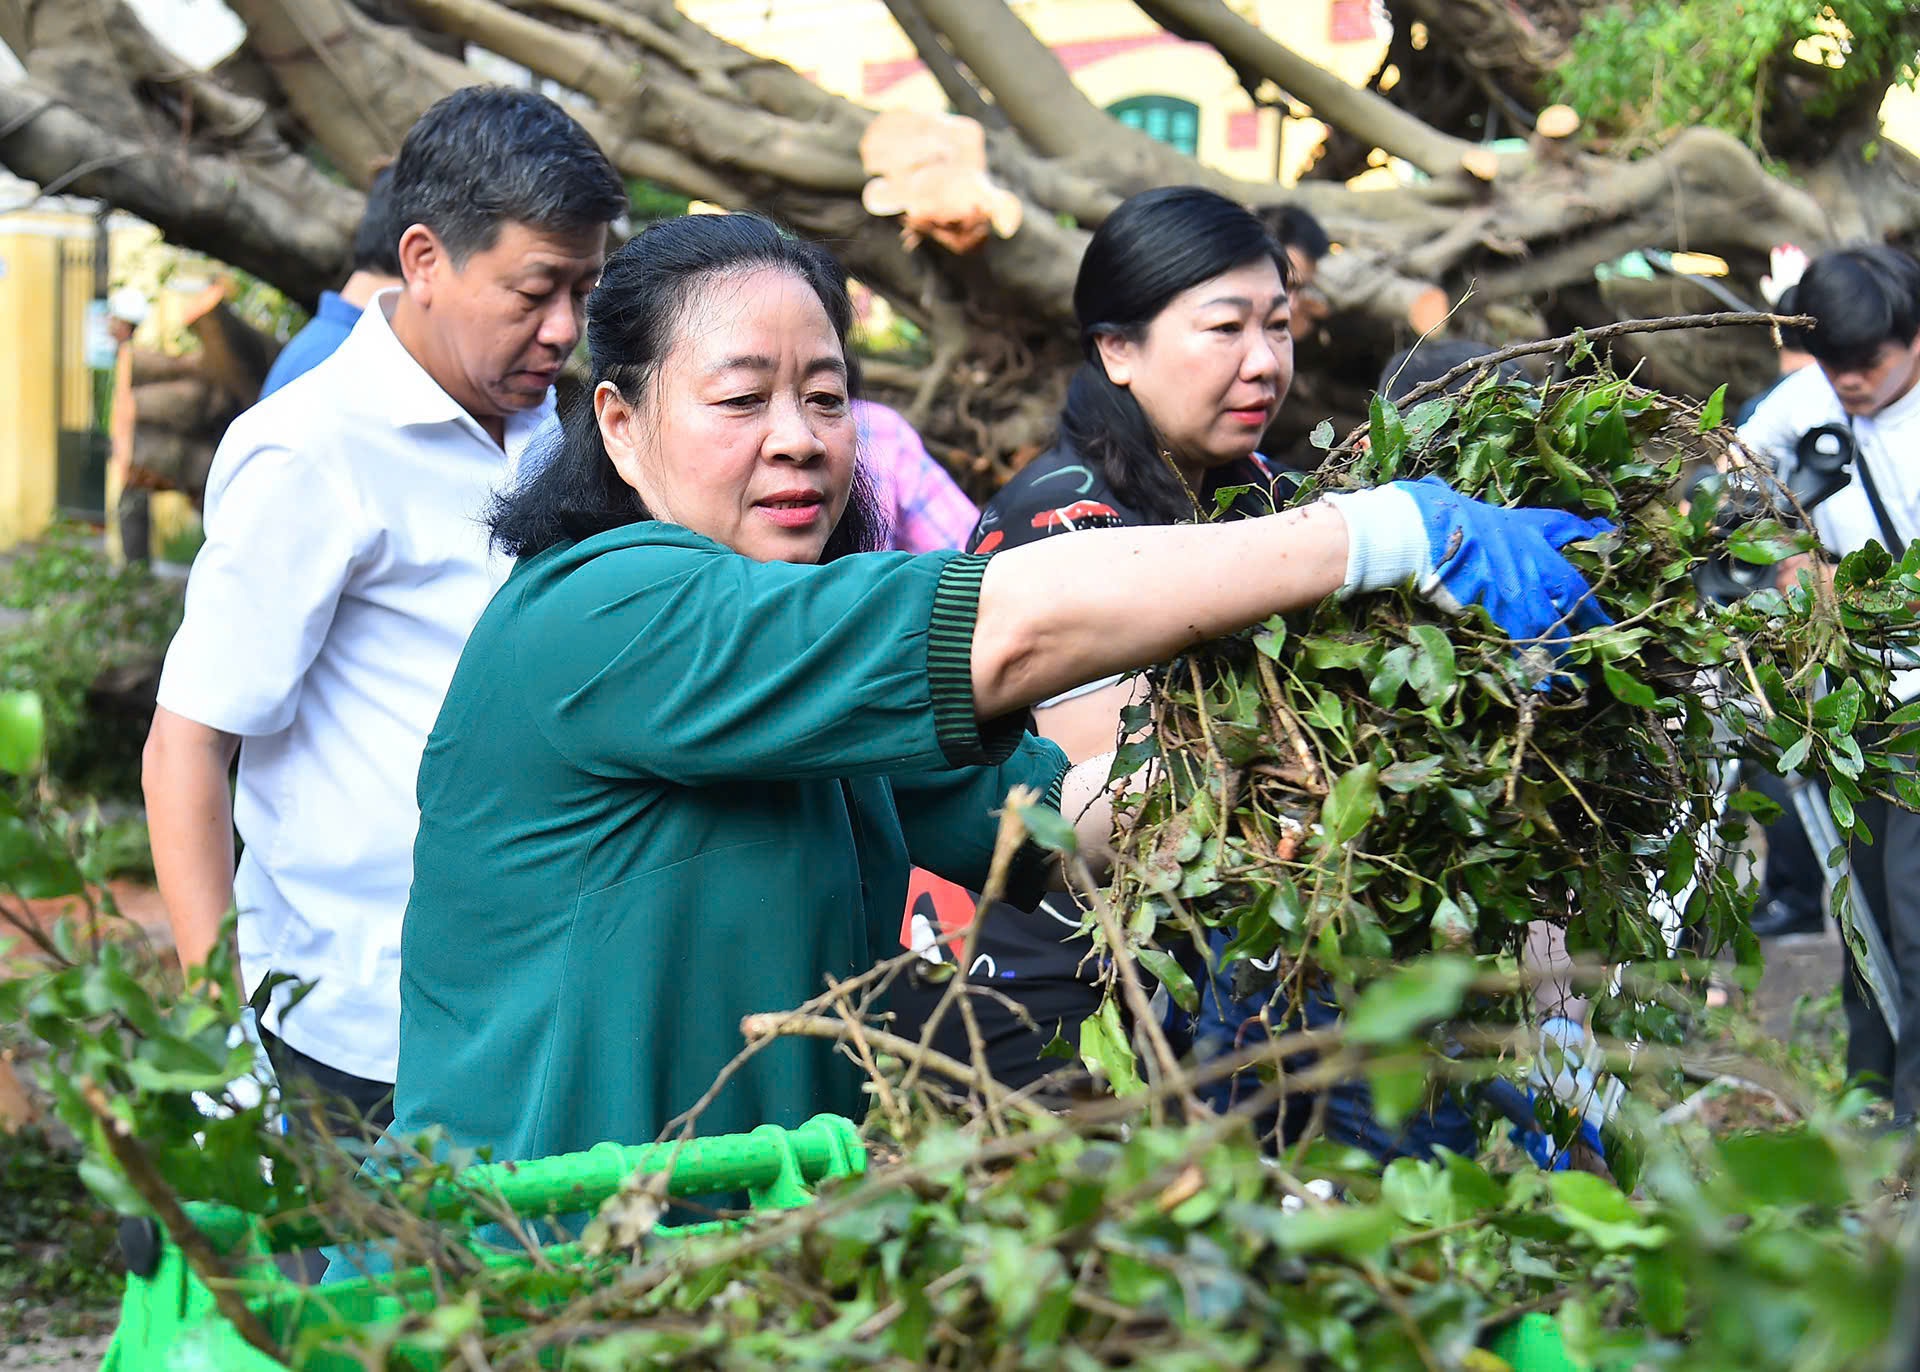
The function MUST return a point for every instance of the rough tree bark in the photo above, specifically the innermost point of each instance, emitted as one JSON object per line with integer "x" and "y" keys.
{"x": 228, "y": 161}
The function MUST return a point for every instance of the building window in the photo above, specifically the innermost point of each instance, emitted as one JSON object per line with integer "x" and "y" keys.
{"x": 1164, "y": 118}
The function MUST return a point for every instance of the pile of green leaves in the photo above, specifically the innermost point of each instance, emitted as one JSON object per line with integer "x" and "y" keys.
{"x": 1370, "y": 780}
{"x": 78, "y": 620}
{"x": 1652, "y": 67}
{"x": 1185, "y": 1247}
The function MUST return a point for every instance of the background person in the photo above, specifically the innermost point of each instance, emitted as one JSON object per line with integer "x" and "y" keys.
{"x": 375, "y": 268}
{"x": 128, "y": 504}
{"x": 1185, "y": 326}
{"x": 924, "y": 508}
{"x": 345, "y": 562}
{"x": 693, "y": 745}
{"x": 1865, "y": 343}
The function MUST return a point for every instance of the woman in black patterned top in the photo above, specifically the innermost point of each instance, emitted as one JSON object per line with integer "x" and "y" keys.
{"x": 1183, "y": 311}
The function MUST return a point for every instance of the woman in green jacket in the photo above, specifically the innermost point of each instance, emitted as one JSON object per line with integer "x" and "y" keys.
{"x": 699, "y": 736}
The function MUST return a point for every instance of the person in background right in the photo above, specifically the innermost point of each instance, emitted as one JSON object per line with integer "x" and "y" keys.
{"x": 1305, "y": 242}
{"x": 1866, "y": 343}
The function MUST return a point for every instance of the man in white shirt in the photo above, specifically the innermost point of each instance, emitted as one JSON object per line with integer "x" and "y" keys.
{"x": 1866, "y": 385}
{"x": 346, "y": 562}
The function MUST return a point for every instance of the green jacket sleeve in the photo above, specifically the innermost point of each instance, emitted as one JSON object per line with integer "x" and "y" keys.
{"x": 951, "y": 818}
{"x": 651, "y": 652}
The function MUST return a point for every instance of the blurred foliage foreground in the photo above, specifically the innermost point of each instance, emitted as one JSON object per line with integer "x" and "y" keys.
{"x": 1371, "y": 801}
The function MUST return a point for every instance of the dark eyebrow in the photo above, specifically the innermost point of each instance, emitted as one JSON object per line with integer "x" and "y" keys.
{"x": 760, "y": 362}
{"x": 756, "y": 362}
{"x": 1241, "y": 302}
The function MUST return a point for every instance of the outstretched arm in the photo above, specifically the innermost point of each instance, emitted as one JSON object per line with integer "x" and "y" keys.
{"x": 1060, "y": 612}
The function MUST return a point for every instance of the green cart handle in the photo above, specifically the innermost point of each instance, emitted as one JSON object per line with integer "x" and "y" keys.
{"x": 776, "y": 1167}
{"x": 168, "y": 1318}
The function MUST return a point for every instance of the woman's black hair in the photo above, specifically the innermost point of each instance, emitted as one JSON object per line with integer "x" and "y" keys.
{"x": 645, "y": 292}
{"x": 1151, "y": 248}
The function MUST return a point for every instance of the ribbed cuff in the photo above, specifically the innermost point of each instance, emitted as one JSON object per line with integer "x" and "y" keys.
{"x": 964, "y": 740}
{"x": 1386, "y": 539}
{"x": 1029, "y": 876}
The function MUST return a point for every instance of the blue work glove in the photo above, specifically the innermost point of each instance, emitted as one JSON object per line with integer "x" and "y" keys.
{"x": 1460, "y": 551}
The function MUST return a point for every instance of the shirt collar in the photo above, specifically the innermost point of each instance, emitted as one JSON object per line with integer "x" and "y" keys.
{"x": 413, "y": 396}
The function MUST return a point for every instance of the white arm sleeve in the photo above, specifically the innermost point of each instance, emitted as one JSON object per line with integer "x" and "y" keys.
{"x": 284, "y": 531}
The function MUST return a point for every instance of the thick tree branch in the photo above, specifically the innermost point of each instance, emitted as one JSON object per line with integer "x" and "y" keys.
{"x": 961, "y": 93}
{"x": 1053, "y": 115}
{"x": 1369, "y": 117}
{"x": 280, "y": 220}
{"x": 655, "y": 104}
{"x": 357, "y": 86}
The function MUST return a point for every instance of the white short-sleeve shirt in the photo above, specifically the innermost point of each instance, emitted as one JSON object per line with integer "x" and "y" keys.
{"x": 1888, "y": 443}
{"x": 346, "y": 561}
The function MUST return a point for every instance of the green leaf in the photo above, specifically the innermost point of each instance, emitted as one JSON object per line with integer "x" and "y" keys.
{"x": 1104, "y": 1049}
{"x": 1389, "y": 676}
{"x": 1794, "y": 758}
{"x": 1662, "y": 1283}
{"x": 1166, "y": 969}
{"x": 1322, "y": 435}
{"x": 1763, "y": 808}
{"x": 1394, "y": 1007}
{"x": 1226, "y": 496}
{"x": 1322, "y": 652}
{"x": 1387, "y": 436}
{"x": 1595, "y": 1207}
{"x": 1792, "y": 1168}
{"x": 1682, "y": 858}
{"x": 1350, "y": 805}
{"x": 1627, "y": 689}
{"x": 32, "y": 866}
{"x": 1398, "y": 1090}
{"x": 1427, "y": 419}
{"x": 1839, "y": 710}
{"x": 1714, "y": 411}
{"x": 1404, "y": 777}
{"x": 1271, "y": 637}
{"x": 1049, "y": 828}
{"x": 23, "y": 732}
{"x": 1434, "y": 673}
{"x": 1358, "y": 1232}
{"x": 1842, "y": 807}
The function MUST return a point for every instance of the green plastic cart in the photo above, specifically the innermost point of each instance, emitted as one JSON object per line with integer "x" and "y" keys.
{"x": 169, "y": 1323}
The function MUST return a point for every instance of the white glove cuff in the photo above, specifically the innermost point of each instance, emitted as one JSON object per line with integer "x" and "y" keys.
{"x": 1386, "y": 539}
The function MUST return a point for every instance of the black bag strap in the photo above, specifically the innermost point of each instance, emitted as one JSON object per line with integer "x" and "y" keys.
{"x": 1889, "y": 531}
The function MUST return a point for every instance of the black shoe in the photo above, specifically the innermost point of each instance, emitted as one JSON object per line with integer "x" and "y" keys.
{"x": 1776, "y": 919}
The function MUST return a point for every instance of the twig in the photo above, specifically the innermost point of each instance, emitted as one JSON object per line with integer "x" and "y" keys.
{"x": 1277, "y": 703}
{"x": 193, "y": 1245}
{"x": 1136, "y": 996}
{"x": 857, "y": 1033}
{"x": 1572, "y": 790}
{"x": 1446, "y": 380}
{"x": 1008, "y": 842}
{"x": 762, "y": 1026}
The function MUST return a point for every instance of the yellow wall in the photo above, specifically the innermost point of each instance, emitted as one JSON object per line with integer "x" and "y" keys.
{"x": 845, "y": 44}
{"x": 35, "y": 332}
{"x": 29, "y": 256}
